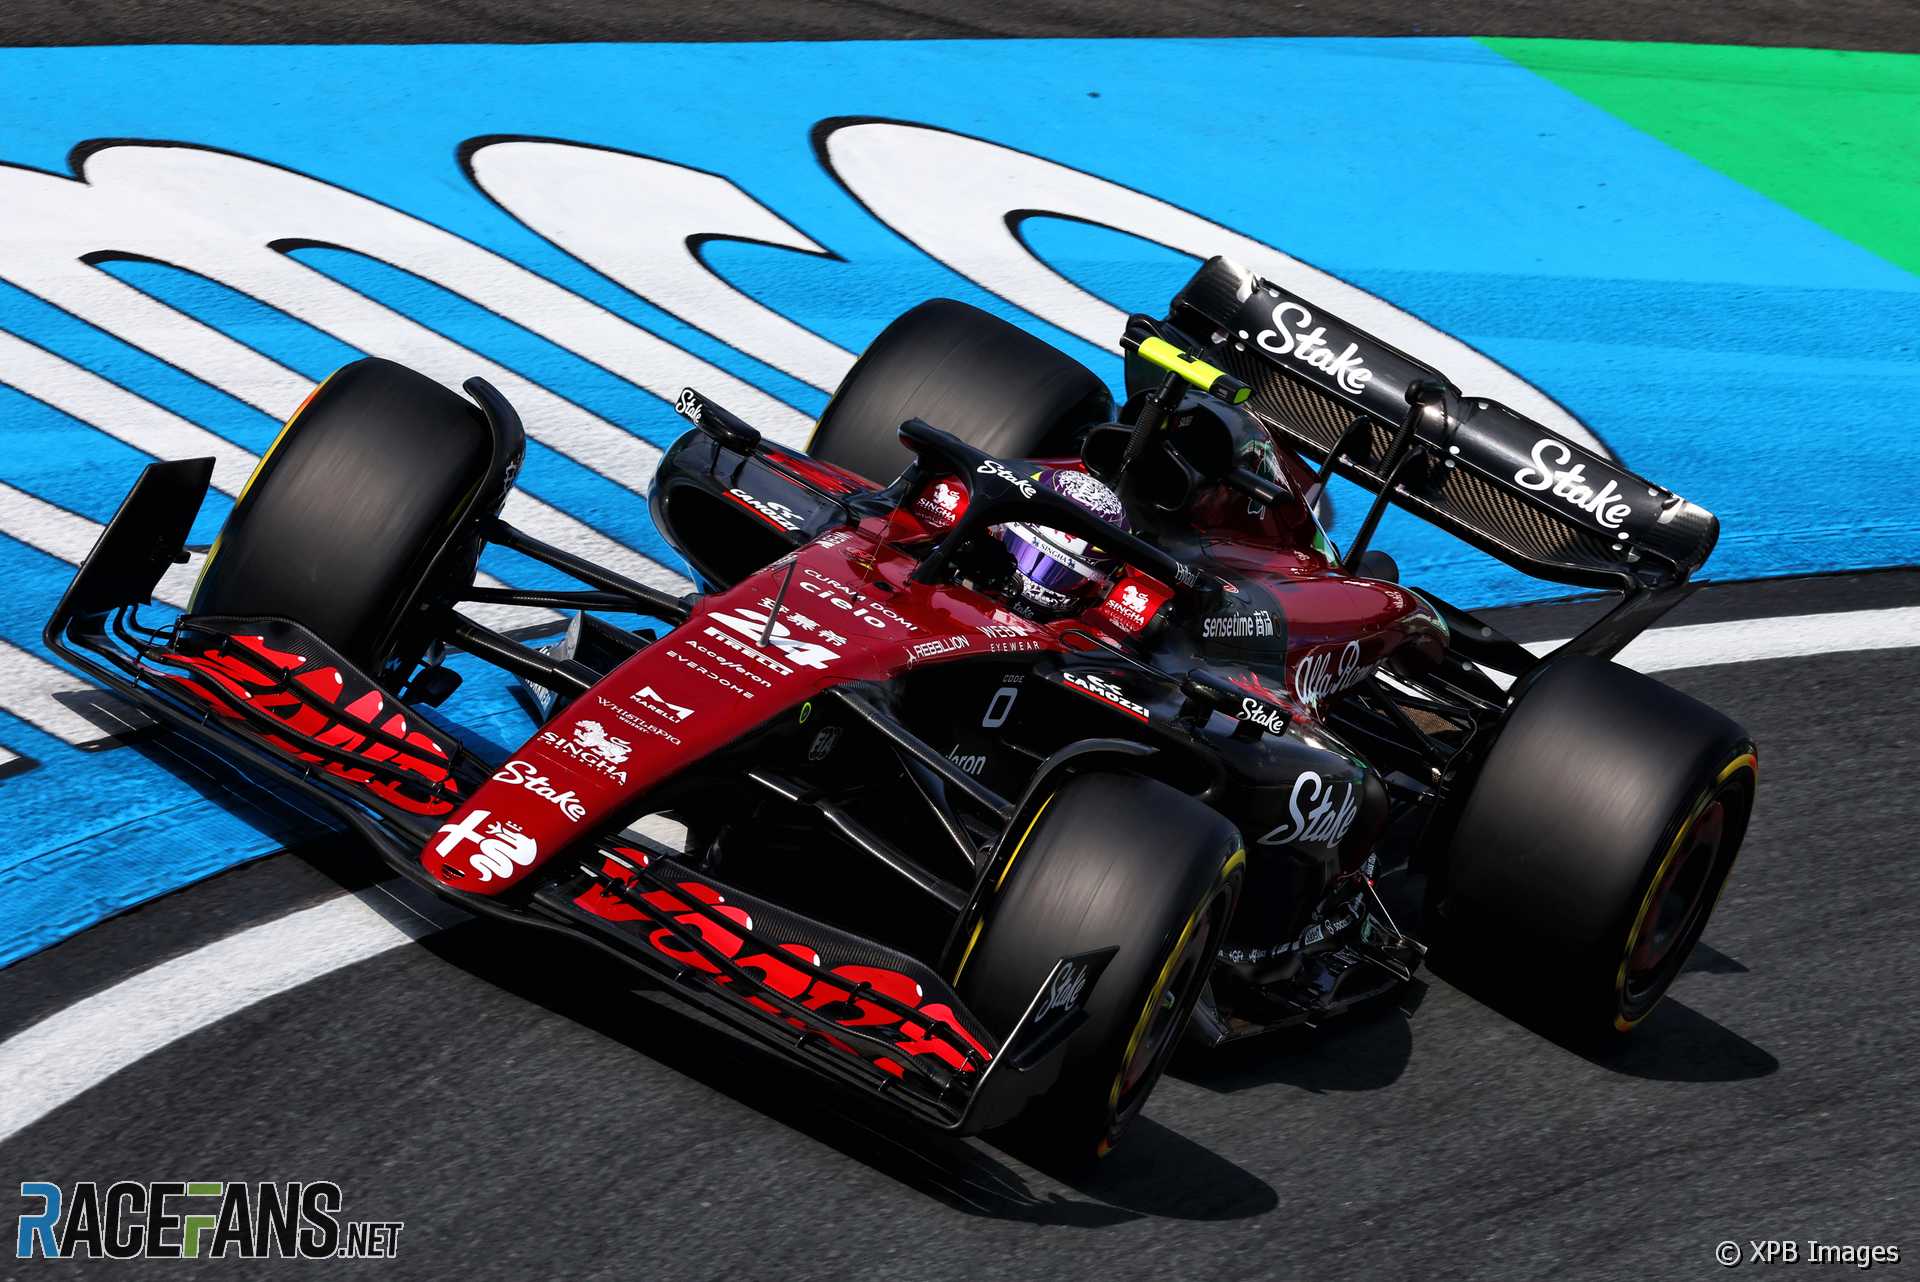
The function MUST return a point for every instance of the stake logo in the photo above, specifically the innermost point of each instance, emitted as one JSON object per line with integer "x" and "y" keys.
{"x": 199, "y": 1219}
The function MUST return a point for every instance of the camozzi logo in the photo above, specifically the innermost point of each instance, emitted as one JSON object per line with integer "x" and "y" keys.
{"x": 197, "y": 1220}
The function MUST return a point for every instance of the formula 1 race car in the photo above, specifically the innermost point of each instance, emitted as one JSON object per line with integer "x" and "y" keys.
{"x": 1014, "y": 738}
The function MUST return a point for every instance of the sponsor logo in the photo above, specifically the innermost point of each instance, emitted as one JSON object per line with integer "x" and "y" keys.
{"x": 1089, "y": 492}
{"x": 1319, "y": 811}
{"x": 502, "y": 846}
{"x": 391, "y": 773}
{"x": 795, "y": 650}
{"x": 208, "y": 1220}
{"x": 970, "y": 762}
{"x": 1267, "y": 718}
{"x": 593, "y": 737}
{"x": 778, "y": 515}
{"x": 689, "y": 406}
{"x": 1324, "y": 673}
{"x": 650, "y": 699}
{"x": 833, "y": 540}
{"x": 1295, "y": 335}
{"x": 725, "y": 683}
{"x": 825, "y": 587}
{"x": 528, "y": 776}
{"x": 1105, "y": 691}
{"x": 1132, "y": 607}
{"x": 942, "y": 505}
{"x": 1009, "y": 631}
{"x": 1550, "y": 473}
{"x": 700, "y": 910}
{"x": 1222, "y": 627}
{"x": 1007, "y": 474}
{"x": 934, "y": 649}
{"x": 591, "y": 746}
{"x": 823, "y": 743}
{"x": 637, "y": 723}
{"x": 1064, "y": 994}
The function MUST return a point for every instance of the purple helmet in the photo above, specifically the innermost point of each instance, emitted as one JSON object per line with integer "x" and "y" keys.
{"x": 1057, "y": 570}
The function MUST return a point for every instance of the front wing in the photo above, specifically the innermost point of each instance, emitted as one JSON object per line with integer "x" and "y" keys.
{"x": 278, "y": 704}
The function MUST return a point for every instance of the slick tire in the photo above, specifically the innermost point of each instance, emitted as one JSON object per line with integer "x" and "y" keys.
{"x": 353, "y": 511}
{"x": 1593, "y": 846}
{"x": 1109, "y": 859}
{"x": 967, "y": 372}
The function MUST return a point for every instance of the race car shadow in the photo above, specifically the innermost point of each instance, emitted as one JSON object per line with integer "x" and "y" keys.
{"x": 1364, "y": 1050}
{"x": 573, "y": 980}
{"x": 1676, "y": 1043}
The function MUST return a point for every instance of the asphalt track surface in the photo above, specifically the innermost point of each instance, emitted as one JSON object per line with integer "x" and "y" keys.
{"x": 1826, "y": 24}
{"x": 527, "y": 1113}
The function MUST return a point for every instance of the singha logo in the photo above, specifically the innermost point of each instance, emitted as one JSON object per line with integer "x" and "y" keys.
{"x": 593, "y": 737}
{"x": 947, "y": 496}
{"x": 1134, "y": 599}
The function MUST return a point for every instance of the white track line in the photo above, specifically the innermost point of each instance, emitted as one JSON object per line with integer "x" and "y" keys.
{"x": 76, "y": 1049}
{"x": 1795, "y": 636}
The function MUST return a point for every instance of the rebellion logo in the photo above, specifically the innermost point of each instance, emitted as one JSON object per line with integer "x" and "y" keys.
{"x": 934, "y": 649}
{"x": 1294, "y": 335}
{"x": 1319, "y": 812}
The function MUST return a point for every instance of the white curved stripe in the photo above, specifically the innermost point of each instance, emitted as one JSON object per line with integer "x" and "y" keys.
{"x": 1794, "y": 636}
{"x": 74, "y": 1050}
{"x": 80, "y": 1047}
{"x": 635, "y": 219}
{"x": 959, "y": 199}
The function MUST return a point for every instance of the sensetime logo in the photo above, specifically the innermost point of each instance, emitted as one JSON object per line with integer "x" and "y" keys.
{"x": 203, "y": 1219}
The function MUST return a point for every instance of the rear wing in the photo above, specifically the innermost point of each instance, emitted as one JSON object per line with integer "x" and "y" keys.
{"x": 1507, "y": 485}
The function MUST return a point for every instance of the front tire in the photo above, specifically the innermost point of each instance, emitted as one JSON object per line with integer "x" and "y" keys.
{"x": 1108, "y": 860}
{"x": 1594, "y": 845}
{"x": 359, "y": 505}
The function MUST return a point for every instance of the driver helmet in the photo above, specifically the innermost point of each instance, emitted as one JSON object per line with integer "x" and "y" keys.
{"x": 1056, "y": 570}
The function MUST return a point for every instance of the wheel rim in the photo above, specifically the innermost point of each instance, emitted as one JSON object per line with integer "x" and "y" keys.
{"x": 1673, "y": 912}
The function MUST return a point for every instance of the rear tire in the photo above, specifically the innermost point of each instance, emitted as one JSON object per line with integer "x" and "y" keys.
{"x": 354, "y": 510}
{"x": 1109, "y": 860}
{"x": 968, "y": 372}
{"x": 1594, "y": 844}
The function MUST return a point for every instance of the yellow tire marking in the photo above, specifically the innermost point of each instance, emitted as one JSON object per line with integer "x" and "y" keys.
{"x": 1018, "y": 847}
{"x": 1747, "y": 761}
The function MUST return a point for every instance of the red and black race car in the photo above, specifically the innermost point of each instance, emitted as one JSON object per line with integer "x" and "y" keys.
{"x": 1013, "y": 737}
